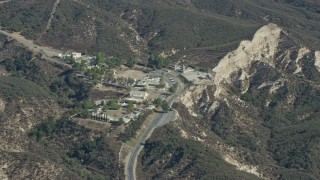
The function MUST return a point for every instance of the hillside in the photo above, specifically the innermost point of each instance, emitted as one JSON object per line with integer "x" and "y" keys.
{"x": 202, "y": 30}
{"x": 38, "y": 140}
{"x": 261, "y": 115}
{"x": 255, "y": 115}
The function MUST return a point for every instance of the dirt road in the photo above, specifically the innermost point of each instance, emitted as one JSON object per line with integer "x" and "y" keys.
{"x": 47, "y": 52}
{"x": 54, "y": 8}
{"x": 1, "y": 2}
{"x": 31, "y": 45}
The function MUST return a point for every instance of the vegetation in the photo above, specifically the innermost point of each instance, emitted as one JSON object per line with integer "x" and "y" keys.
{"x": 13, "y": 88}
{"x": 246, "y": 97}
{"x": 157, "y": 62}
{"x": 162, "y": 103}
{"x": 173, "y": 88}
{"x": 134, "y": 126}
{"x": 165, "y": 106}
{"x": 112, "y": 105}
{"x": 196, "y": 26}
{"x": 89, "y": 159}
{"x": 130, "y": 107}
{"x": 29, "y": 18}
{"x": 286, "y": 125}
{"x": 79, "y": 152}
{"x": 157, "y": 102}
{"x": 131, "y": 62}
{"x": 43, "y": 130}
{"x": 183, "y": 158}
{"x": 293, "y": 127}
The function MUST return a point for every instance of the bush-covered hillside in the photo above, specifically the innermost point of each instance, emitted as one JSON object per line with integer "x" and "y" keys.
{"x": 170, "y": 156}
{"x": 136, "y": 28}
{"x": 37, "y": 138}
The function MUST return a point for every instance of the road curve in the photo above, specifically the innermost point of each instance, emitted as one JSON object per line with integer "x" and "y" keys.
{"x": 160, "y": 120}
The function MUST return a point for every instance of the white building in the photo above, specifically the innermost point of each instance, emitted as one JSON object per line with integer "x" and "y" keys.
{"x": 152, "y": 80}
{"x": 76, "y": 55}
{"x": 128, "y": 118}
{"x": 187, "y": 69}
{"x": 137, "y": 96}
{"x": 151, "y": 107}
{"x": 142, "y": 84}
{"x": 148, "y": 81}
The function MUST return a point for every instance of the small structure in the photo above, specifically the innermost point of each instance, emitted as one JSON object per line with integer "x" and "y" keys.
{"x": 123, "y": 104}
{"x": 177, "y": 68}
{"x": 125, "y": 119}
{"x": 142, "y": 84}
{"x": 129, "y": 117}
{"x": 76, "y": 55}
{"x": 151, "y": 107}
{"x": 138, "y": 96}
{"x": 152, "y": 80}
{"x": 187, "y": 69}
{"x": 148, "y": 81}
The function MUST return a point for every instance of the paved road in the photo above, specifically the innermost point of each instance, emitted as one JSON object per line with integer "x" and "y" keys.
{"x": 160, "y": 120}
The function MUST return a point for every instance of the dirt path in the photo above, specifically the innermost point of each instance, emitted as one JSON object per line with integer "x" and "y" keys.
{"x": 31, "y": 45}
{"x": 47, "y": 52}
{"x": 81, "y": 3}
{"x": 54, "y": 8}
{"x": 1, "y": 2}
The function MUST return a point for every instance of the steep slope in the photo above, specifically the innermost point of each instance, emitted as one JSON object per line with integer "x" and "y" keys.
{"x": 261, "y": 115}
{"x": 37, "y": 138}
{"x": 202, "y": 30}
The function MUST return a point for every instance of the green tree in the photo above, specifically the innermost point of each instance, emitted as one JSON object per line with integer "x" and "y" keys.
{"x": 113, "y": 104}
{"x": 130, "y": 107}
{"x": 131, "y": 62}
{"x": 165, "y": 106}
{"x": 69, "y": 60}
{"x": 157, "y": 62}
{"x": 9, "y": 65}
{"x": 157, "y": 102}
{"x": 173, "y": 89}
{"x": 88, "y": 104}
{"x": 100, "y": 58}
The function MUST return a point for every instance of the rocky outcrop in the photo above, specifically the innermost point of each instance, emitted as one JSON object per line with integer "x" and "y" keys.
{"x": 250, "y": 83}
{"x": 264, "y": 48}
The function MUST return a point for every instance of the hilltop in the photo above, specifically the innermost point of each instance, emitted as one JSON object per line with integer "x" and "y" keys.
{"x": 202, "y": 30}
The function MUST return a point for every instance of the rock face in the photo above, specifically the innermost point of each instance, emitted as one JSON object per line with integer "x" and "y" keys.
{"x": 262, "y": 48}
{"x": 266, "y": 48}
{"x": 265, "y": 92}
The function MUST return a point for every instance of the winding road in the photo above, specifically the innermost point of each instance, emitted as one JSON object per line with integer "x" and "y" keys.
{"x": 160, "y": 120}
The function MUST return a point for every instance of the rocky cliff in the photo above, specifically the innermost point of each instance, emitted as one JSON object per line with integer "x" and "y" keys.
{"x": 262, "y": 111}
